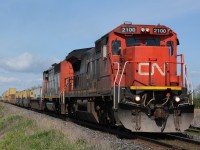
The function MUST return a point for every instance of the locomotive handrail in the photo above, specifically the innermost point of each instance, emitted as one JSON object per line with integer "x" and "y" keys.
{"x": 185, "y": 76}
{"x": 114, "y": 101}
{"x": 62, "y": 95}
{"x": 41, "y": 97}
{"x": 183, "y": 70}
{"x": 119, "y": 83}
{"x": 68, "y": 86}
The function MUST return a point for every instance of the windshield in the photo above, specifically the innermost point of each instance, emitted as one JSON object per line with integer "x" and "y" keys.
{"x": 132, "y": 41}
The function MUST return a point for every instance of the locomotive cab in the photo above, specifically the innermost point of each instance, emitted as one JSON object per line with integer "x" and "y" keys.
{"x": 149, "y": 83}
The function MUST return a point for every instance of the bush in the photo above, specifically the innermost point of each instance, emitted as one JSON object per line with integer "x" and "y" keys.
{"x": 197, "y": 103}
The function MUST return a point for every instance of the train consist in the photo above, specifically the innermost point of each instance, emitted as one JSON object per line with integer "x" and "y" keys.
{"x": 132, "y": 78}
{"x": 22, "y": 98}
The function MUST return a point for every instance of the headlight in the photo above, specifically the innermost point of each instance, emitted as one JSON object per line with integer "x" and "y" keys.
{"x": 142, "y": 29}
{"x": 137, "y": 98}
{"x": 177, "y": 99}
{"x": 147, "y": 29}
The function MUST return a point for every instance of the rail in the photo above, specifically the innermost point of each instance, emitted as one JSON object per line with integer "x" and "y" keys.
{"x": 155, "y": 138}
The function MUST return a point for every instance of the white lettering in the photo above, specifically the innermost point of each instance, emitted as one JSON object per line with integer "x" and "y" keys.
{"x": 153, "y": 66}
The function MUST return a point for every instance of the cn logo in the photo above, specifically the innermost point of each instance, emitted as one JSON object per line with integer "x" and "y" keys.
{"x": 153, "y": 67}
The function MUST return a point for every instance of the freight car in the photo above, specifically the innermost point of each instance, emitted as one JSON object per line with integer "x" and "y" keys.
{"x": 9, "y": 95}
{"x": 36, "y": 97}
{"x": 29, "y": 98}
{"x": 132, "y": 78}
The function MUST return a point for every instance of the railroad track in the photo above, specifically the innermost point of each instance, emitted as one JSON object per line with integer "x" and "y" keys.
{"x": 161, "y": 140}
{"x": 161, "y": 144}
{"x": 193, "y": 129}
{"x": 172, "y": 141}
{"x": 168, "y": 141}
{"x": 185, "y": 139}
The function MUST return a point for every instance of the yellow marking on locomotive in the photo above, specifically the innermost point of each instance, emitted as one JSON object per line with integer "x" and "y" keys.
{"x": 156, "y": 88}
{"x": 51, "y": 97}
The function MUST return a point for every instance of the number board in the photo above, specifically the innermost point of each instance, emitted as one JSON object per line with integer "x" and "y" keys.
{"x": 128, "y": 30}
{"x": 160, "y": 30}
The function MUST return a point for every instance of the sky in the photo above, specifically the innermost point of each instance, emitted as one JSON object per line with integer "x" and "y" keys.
{"x": 37, "y": 33}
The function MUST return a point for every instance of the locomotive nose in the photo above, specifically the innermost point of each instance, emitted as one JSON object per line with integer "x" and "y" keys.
{"x": 150, "y": 68}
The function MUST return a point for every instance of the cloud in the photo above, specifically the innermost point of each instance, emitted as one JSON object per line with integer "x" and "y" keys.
{"x": 18, "y": 63}
{"x": 23, "y": 71}
{"x": 7, "y": 79}
{"x": 26, "y": 63}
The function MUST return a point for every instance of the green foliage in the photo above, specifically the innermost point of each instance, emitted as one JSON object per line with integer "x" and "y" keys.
{"x": 197, "y": 97}
{"x": 1, "y": 107}
{"x": 17, "y": 133}
{"x": 197, "y": 103}
{"x": 8, "y": 120}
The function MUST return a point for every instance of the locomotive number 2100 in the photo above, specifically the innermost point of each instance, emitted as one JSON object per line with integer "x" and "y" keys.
{"x": 130, "y": 30}
{"x": 160, "y": 30}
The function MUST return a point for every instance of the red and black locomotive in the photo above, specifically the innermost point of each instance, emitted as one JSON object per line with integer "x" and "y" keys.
{"x": 133, "y": 77}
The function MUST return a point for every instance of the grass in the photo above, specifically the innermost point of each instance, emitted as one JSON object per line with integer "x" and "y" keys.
{"x": 193, "y": 132}
{"x": 18, "y": 133}
{"x": 197, "y": 103}
{"x": 1, "y": 107}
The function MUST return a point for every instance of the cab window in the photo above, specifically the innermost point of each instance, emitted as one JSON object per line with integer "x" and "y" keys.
{"x": 171, "y": 47}
{"x": 153, "y": 42}
{"x": 132, "y": 41}
{"x": 116, "y": 46}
